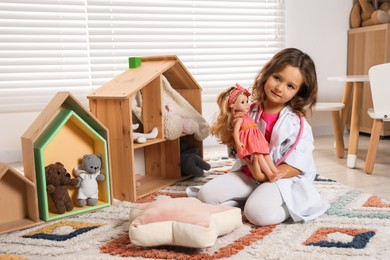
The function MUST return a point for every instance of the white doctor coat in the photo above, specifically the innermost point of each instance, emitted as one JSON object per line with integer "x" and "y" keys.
{"x": 300, "y": 196}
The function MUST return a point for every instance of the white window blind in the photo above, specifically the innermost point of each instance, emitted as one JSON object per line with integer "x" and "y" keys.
{"x": 43, "y": 49}
{"x": 78, "y": 45}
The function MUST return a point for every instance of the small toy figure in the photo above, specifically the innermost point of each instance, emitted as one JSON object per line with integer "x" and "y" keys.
{"x": 88, "y": 174}
{"x": 190, "y": 162}
{"x": 236, "y": 129}
{"x": 57, "y": 182}
{"x": 140, "y": 138}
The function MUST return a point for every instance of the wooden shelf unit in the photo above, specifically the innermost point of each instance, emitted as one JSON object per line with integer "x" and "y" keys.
{"x": 18, "y": 201}
{"x": 368, "y": 46}
{"x": 111, "y": 104}
{"x": 63, "y": 132}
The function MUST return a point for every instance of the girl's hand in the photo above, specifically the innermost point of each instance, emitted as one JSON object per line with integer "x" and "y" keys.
{"x": 255, "y": 170}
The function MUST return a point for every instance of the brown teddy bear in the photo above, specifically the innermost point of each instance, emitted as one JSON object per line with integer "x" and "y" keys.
{"x": 57, "y": 182}
{"x": 367, "y": 12}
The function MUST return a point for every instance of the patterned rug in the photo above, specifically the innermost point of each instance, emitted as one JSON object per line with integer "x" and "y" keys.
{"x": 356, "y": 226}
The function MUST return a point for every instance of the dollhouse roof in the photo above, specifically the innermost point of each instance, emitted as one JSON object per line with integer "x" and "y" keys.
{"x": 42, "y": 127}
{"x": 63, "y": 100}
{"x": 151, "y": 67}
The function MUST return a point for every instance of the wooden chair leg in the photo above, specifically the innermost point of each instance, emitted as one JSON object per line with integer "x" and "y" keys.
{"x": 373, "y": 145}
{"x": 338, "y": 133}
{"x": 347, "y": 100}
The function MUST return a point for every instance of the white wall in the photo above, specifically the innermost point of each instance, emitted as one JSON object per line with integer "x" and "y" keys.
{"x": 320, "y": 29}
{"x": 317, "y": 27}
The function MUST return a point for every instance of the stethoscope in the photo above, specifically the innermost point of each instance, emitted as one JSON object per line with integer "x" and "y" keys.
{"x": 301, "y": 122}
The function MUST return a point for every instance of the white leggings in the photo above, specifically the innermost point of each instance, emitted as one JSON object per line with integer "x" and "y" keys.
{"x": 264, "y": 204}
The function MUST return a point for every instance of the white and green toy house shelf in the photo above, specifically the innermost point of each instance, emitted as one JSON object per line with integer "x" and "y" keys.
{"x": 113, "y": 105}
{"x": 63, "y": 132}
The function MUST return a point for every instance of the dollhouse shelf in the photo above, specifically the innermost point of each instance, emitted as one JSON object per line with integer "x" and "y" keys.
{"x": 63, "y": 132}
{"x": 18, "y": 201}
{"x": 66, "y": 126}
{"x": 111, "y": 104}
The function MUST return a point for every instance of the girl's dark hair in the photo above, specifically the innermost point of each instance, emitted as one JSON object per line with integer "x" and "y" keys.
{"x": 306, "y": 97}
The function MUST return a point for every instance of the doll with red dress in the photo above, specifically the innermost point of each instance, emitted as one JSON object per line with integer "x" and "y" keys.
{"x": 235, "y": 128}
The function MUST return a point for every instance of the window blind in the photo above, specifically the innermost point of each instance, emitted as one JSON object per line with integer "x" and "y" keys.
{"x": 79, "y": 45}
{"x": 43, "y": 49}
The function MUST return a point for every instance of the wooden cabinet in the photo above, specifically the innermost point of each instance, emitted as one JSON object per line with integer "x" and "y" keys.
{"x": 111, "y": 104}
{"x": 368, "y": 46}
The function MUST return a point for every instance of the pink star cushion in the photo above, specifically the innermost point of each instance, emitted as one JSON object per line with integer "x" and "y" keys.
{"x": 181, "y": 222}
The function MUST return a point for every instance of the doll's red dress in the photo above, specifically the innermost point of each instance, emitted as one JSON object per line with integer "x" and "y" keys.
{"x": 253, "y": 140}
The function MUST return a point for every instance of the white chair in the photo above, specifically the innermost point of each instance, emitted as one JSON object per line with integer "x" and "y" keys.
{"x": 338, "y": 130}
{"x": 380, "y": 90}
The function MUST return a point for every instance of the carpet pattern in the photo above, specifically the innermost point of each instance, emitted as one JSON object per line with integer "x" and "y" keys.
{"x": 356, "y": 226}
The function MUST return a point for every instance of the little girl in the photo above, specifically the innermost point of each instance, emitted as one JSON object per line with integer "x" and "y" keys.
{"x": 283, "y": 92}
{"x": 234, "y": 127}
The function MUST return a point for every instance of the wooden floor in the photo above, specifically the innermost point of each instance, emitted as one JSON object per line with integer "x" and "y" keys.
{"x": 329, "y": 166}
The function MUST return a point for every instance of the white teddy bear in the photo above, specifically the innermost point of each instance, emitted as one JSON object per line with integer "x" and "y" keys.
{"x": 88, "y": 174}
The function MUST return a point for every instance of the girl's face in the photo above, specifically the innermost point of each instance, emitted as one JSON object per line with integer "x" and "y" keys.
{"x": 282, "y": 86}
{"x": 241, "y": 104}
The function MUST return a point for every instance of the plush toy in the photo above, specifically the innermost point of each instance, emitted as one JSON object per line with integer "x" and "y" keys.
{"x": 175, "y": 125}
{"x": 192, "y": 122}
{"x": 57, "y": 182}
{"x": 179, "y": 116}
{"x": 190, "y": 162}
{"x": 141, "y": 137}
{"x": 366, "y": 13}
{"x": 88, "y": 174}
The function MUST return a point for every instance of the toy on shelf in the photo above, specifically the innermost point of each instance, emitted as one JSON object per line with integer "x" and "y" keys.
{"x": 57, "y": 182}
{"x": 190, "y": 162}
{"x": 367, "y": 13}
{"x": 88, "y": 173}
{"x": 141, "y": 138}
{"x": 192, "y": 121}
{"x": 179, "y": 116}
{"x": 134, "y": 62}
{"x": 176, "y": 125}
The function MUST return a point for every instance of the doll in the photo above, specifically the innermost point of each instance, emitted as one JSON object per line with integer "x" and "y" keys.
{"x": 236, "y": 129}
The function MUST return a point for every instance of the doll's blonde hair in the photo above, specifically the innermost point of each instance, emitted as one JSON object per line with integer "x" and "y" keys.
{"x": 222, "y": 128}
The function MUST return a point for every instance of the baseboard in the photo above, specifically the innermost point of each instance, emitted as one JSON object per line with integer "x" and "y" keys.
{"x": 9, "y": 157}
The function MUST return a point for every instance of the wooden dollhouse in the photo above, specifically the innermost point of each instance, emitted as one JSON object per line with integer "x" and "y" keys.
{"x": 112, "y": 105}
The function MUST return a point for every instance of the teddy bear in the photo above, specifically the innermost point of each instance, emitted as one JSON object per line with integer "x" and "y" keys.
{"x": 57, "y": 182}
{"x": 88, "y": 174}
{"x": 190, "y": 162}
{"x": 366, "y": 13}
